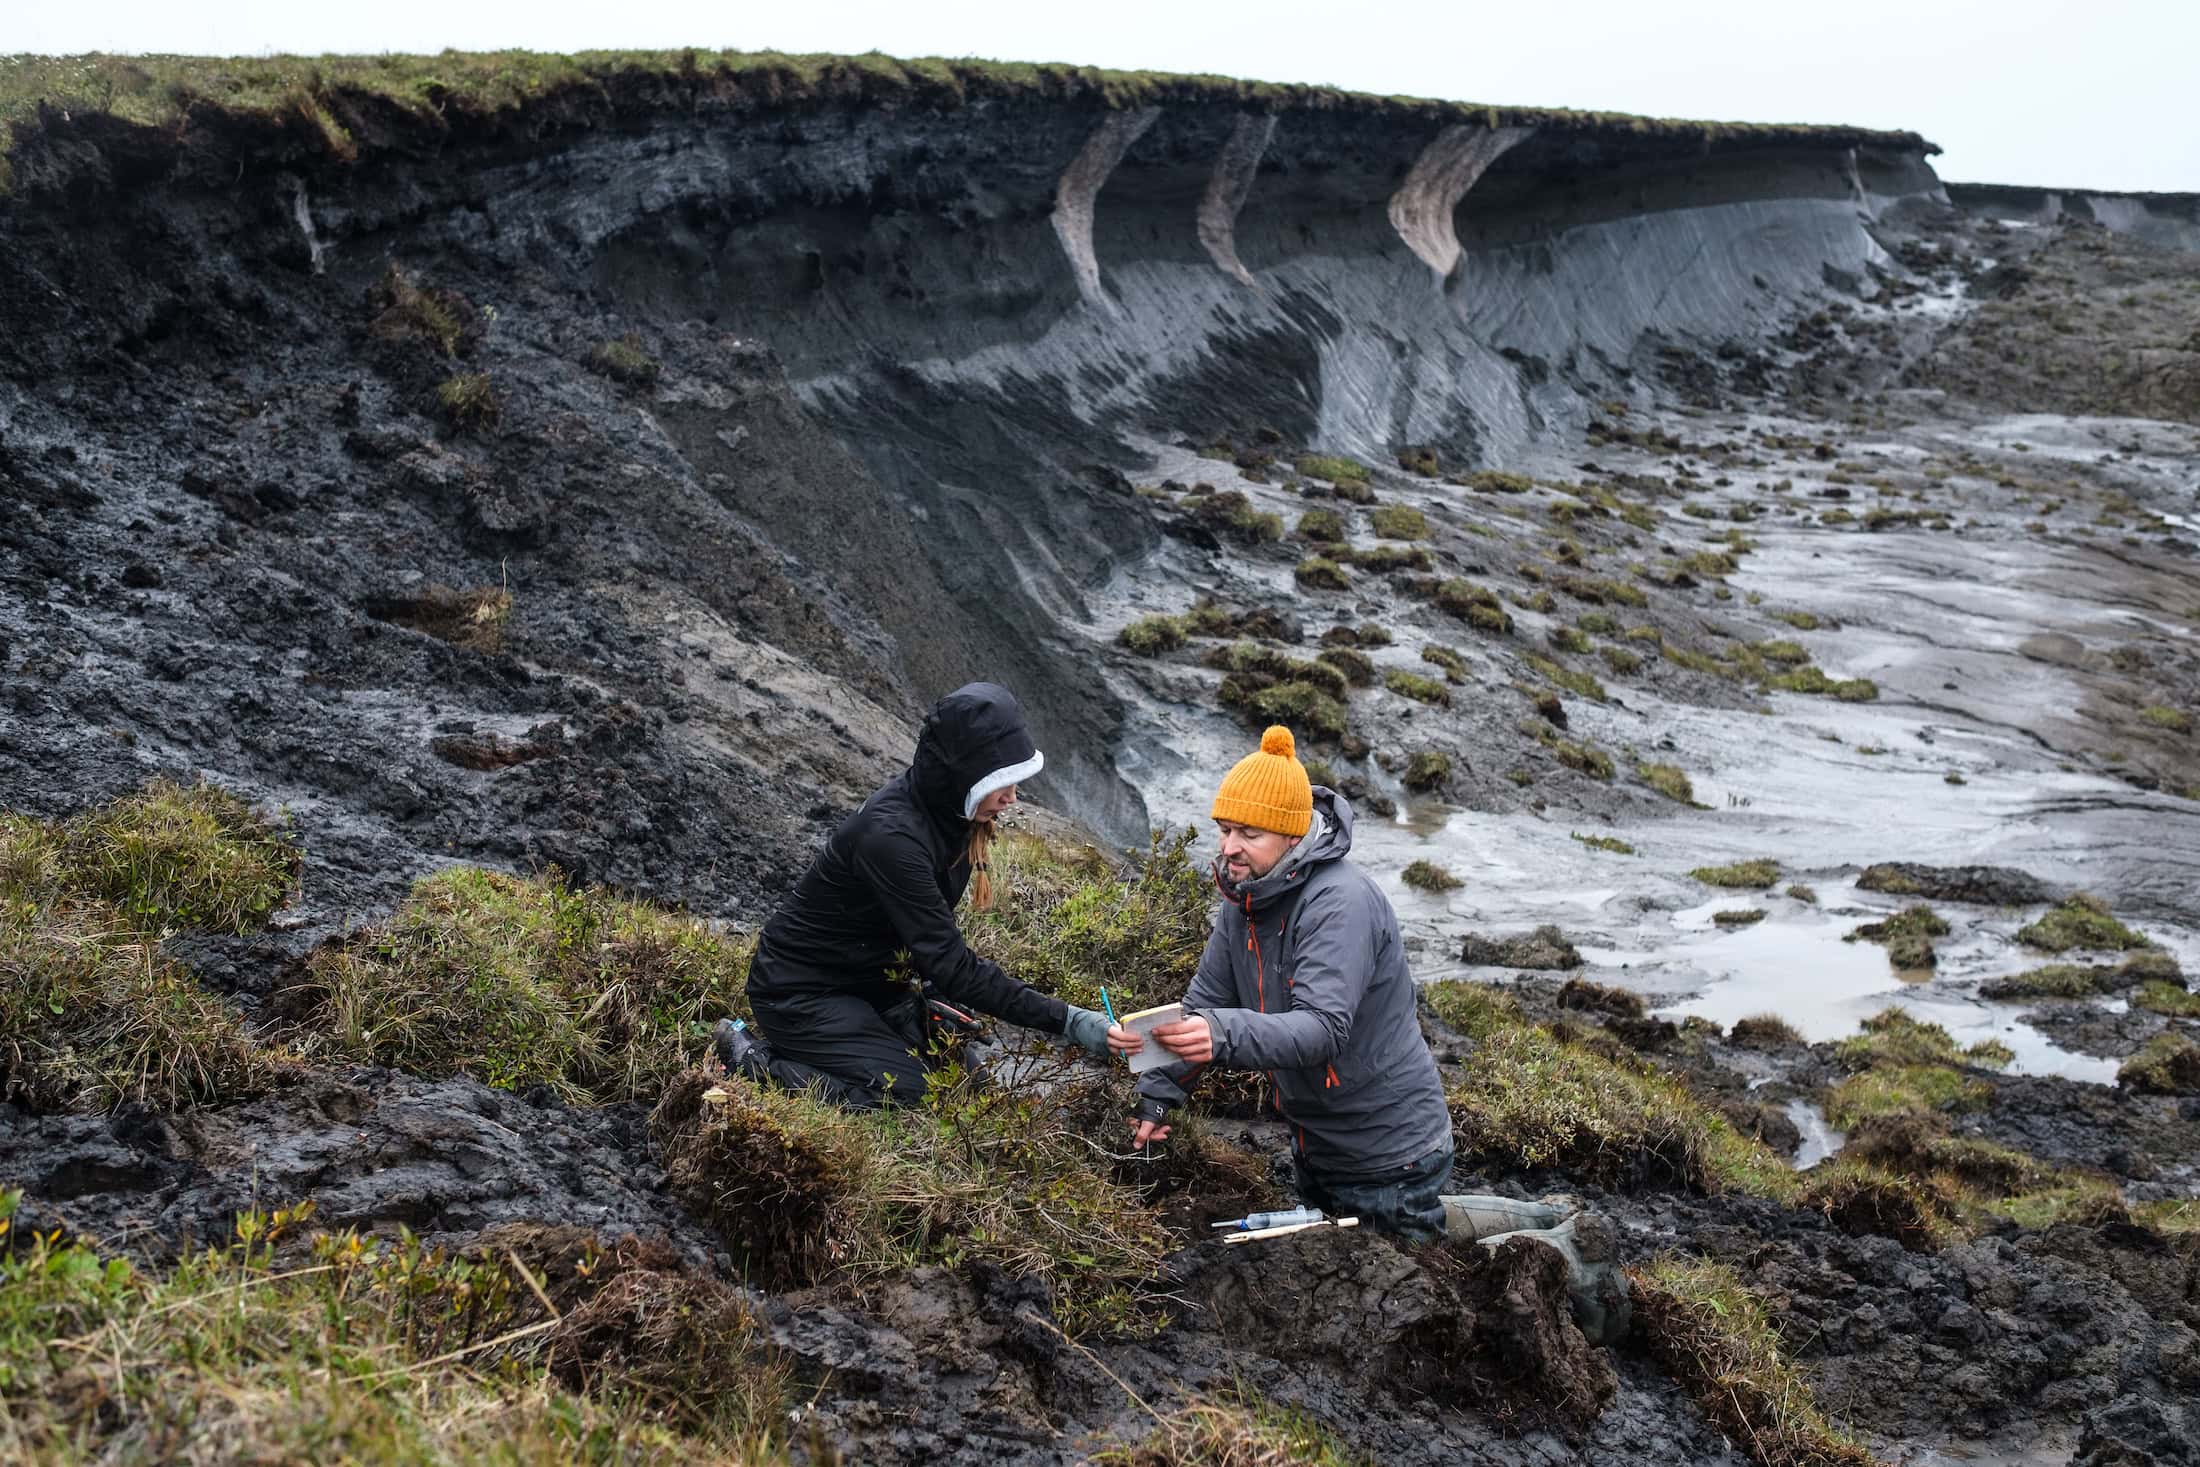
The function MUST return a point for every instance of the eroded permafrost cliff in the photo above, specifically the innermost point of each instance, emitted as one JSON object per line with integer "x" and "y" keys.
{"x": 984, "y": 287}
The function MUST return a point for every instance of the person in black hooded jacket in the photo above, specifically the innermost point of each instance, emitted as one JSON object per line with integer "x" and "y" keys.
{"x": 821, "y": 984}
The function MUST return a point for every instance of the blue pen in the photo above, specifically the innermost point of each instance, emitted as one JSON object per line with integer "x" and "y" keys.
{"x": 1110, "y": 1008}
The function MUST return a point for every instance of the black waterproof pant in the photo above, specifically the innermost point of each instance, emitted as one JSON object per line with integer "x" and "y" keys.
{"x": 852, "y": 1052}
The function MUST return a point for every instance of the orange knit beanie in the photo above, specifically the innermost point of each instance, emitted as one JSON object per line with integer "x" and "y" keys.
{"x": 1268, "y": 790}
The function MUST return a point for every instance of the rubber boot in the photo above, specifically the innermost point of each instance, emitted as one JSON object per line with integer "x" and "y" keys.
{"x": 1473, "y": 1215}
{"x": 1603, "y": 1304}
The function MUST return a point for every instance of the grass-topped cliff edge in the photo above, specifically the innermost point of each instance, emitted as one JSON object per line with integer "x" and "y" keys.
{"x": 343, "y": 107}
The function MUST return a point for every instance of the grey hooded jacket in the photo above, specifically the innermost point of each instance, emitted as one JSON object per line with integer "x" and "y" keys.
{"x": 1304, "y": 977}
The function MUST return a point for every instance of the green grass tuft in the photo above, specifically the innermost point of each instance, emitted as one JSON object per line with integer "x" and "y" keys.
{"x": 1150, "y": 636}
{"x": 1759, "y": 873}
{"x": 1814, "y": 680}
{"x": 91, "y": 1012}
{"x": 2173, "y": 719}
{"x": 1325, "y": 526}
{"x": 522, "y": 981}
{"x": 1333, "y": 469}
{"x": 1610, "y": 843}
{"x": 1319, "y": 573}
{"x": 1419, "y": 689}
{"x": 1721, "y": 1342}
{"x": 469, "y": 400}
{"x": 1398, "y": 522}
{"x": 2168, "y": 1064}
{"x": 1454, "y": 665}
{"x": 1581, "y": 684}
{"x": 2168, "y": 999}
{"x": 803, "y": 1192}
{"x": 2082, "y": 921}
{"x": 1428, "y": 876}
{"x": 1669, "y": 780}
{"x": 624, "y": 360}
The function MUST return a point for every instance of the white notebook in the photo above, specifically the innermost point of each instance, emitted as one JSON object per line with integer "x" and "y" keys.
{"x": 1145, "y": 1021}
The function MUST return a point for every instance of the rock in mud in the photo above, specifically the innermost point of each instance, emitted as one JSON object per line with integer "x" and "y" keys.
{"x": 1992, "y": 886}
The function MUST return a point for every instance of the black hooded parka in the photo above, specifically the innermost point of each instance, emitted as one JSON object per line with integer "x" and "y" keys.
{"x": 888, "y": 880}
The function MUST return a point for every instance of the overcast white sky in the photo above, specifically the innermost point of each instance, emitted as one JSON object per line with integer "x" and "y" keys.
{"x": 2092, "y": 93}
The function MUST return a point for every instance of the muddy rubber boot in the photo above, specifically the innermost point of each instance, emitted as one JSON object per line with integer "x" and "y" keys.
{"x": 1472, "y": 1215}
{"x": 1603, "y": 1304}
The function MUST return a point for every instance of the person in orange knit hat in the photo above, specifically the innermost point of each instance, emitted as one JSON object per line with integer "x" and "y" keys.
{"x": 1305, "y": 977}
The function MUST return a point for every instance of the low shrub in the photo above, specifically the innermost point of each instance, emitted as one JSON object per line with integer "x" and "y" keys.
{"x": 1070, "y": 922}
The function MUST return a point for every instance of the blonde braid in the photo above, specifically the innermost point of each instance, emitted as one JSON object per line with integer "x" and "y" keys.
{"x": 979, "y": 854}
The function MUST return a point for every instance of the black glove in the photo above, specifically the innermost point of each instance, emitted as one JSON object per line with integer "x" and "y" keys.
{"x": 1088, "y": 1029}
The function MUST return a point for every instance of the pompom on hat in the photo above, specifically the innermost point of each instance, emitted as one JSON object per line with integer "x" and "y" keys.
{"x": 1268, "y": 789}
